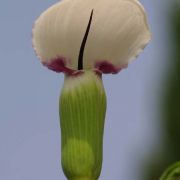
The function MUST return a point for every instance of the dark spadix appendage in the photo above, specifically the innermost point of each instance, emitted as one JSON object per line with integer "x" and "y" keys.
{"x": 83, "y": 44}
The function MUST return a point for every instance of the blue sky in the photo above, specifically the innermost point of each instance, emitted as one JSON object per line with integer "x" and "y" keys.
{"x": 29, "y": 122}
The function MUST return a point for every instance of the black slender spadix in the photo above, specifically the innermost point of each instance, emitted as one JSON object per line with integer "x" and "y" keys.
{"x": 83, "y": 44}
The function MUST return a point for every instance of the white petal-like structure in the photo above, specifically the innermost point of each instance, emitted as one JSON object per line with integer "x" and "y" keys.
{"x": 117, "y": 34}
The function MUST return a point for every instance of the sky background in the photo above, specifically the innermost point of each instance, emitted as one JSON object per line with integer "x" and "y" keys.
{"x": 29, "y": 94}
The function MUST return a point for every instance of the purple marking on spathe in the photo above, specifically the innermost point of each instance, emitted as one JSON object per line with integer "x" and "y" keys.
{"x": 108, "y": 68}
{"x": 58, "y": 65}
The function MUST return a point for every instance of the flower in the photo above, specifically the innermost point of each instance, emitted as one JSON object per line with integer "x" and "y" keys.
{"x": 101, "y": 35}
{"x": 80, "y": 37}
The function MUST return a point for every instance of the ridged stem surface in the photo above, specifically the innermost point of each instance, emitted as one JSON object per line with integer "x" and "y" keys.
{"x": 82, "y": 114}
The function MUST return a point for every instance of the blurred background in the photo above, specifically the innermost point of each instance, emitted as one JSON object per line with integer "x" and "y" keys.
{"x": 142, "y": 129}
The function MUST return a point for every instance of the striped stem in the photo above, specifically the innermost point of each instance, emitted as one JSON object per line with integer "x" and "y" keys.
{"x": 82, "y": 114}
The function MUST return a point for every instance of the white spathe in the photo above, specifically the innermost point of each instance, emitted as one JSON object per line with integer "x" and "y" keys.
{"x": 119, "y": 32}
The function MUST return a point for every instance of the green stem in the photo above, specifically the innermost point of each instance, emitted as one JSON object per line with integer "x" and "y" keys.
{"x": 172, "y": 173}
{"x": 82, "y": 114}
